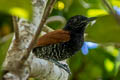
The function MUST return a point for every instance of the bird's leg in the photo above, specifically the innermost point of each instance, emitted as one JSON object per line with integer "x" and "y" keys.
{"x": 63, "y": 66}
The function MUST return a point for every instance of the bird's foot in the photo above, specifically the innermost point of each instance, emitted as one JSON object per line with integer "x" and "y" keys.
{"x": 63, "y": 66}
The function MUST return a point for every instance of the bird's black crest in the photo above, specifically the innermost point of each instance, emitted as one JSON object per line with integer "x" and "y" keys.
{"x": 77, "y": 19}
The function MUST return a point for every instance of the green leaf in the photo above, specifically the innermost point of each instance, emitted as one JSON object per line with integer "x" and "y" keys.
{"x": 67, "y": 5}
{"x": 106, "y": 29}
{"x": 92, "y": 3}
{"x": 3, "y": 50}
{"x": 20, "y": 8}
{"x": 76, "y": 8}
{"x": 96, "y": 12}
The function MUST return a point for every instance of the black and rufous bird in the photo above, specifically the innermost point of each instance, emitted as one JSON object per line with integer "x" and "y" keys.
{"x": 63, "y": 43}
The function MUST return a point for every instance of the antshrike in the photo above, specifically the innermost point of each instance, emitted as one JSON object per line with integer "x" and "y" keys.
{"x": 63, "y": 43}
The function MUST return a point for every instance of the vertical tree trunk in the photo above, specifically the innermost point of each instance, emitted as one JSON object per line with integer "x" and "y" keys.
{"x": 17, "y": 65}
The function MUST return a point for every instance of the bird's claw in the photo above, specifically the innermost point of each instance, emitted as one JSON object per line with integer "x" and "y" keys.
{"x": 63, "y": 66}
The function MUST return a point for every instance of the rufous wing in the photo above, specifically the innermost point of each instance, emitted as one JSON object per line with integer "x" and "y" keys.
{"x": 54, "y": 37}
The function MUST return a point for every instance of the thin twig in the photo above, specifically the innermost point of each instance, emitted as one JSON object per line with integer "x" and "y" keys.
{"x": 61, "y": 19}
{"x": 45, "y": 16}
{"x": 112, "y": 11}
{"x": 109, "y": 7}
{"x": 16, "y": 30}
{"x": 47, "y": 29}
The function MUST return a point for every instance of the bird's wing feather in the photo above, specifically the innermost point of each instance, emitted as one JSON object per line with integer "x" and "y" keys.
{"x": 54, "y": 37}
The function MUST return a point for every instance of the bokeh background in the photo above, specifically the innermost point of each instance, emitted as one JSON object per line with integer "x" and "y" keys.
{"x": 99, "y": 58}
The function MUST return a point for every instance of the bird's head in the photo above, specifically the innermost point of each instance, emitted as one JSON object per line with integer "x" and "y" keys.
{"x": 78, "y": 23}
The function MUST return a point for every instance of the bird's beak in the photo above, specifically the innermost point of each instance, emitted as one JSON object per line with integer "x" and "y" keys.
{"x": 91, "y": 19}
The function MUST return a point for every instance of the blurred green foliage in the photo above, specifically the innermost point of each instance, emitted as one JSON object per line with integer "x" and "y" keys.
{"x": 105, "y": 31}
{"x": 101, "y": 63}
{"x": 93, "y": 66}
{"x": 20, "y": 8}
{"x": 5, "y": 24}
{"x": 3, "y": 50}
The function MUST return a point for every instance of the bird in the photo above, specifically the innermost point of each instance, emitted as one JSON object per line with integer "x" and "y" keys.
{"x": 63, "y": 43}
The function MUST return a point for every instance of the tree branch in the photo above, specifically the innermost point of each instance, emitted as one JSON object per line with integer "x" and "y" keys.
{"x": 16, "y": 30}
{"x": 47, "y": 29}
{"x": 45, "y": 70}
